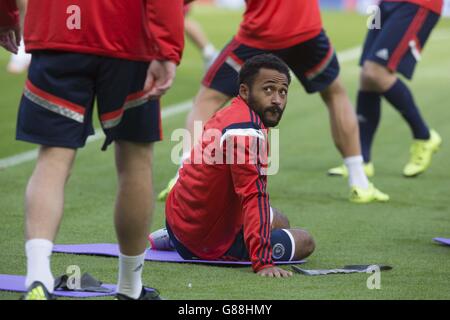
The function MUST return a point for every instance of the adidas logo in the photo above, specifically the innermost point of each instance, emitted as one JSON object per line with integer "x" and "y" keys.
{"x": 383, "y": 54}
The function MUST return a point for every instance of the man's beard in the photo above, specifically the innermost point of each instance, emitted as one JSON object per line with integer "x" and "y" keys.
{"x": 263, "y": 111}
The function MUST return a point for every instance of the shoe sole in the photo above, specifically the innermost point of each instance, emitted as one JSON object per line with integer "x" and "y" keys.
{"x": 371, "y": 201}
{"x": 330, "y": 174}
{"x": 346, "y": 176}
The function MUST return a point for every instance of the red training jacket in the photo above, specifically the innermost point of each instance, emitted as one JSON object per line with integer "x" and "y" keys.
{"x": 141, "y": 30}
{"x": 212, "y": 202}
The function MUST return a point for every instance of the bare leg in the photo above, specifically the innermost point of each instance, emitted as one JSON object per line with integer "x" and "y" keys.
{"x": 195, "y": 33}
{"x": 133, "y": 212}
{"x": 280, "y": 221}
{"x": 44, "y": 199}
{"x": 22, "y": 5}
{"x": 44, "y": 202}
{"x": 206, "y": 103}
{"x": 304, "y": 243}
{"x": 344, "y": 124}
{"x": 376, "y": 78}
{"x": 134, "y": 203}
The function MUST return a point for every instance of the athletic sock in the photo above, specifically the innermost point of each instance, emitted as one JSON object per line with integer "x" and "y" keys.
{"x": 130, "y": 275}
{"x": 356, "y": 174}
{"x": 369, "y": 112}
{"x": 209, "y": 51}
{"x": 401, "y": 99}
{"x": 38, "y": 253}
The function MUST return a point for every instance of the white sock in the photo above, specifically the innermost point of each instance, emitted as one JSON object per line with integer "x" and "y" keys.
{"x": 209, "y": 51}
{"x": 38, "y": 253}
{"x": 130, "y": 275}
{"x": 356, "y": 175}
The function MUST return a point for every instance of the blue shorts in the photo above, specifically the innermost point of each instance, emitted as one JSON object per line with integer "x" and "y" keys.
{"x": 313, "y": 62}
{"x": 58, "y": 101}
{"x": 405, "y": 28}
{"x": 283, "y": 247}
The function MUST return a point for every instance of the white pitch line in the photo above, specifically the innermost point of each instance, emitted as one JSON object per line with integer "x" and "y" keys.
{"x": 349, "y": 54}
{"x": 18, "y": 159}
{"x": 173, "y": 110}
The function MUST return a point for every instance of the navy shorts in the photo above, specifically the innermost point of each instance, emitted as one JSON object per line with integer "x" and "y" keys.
{"x": 405, "y": 28}
{"x": 58, "y": 101}
{"x": 283, "y": 247}
{"x": 313, "y": 62}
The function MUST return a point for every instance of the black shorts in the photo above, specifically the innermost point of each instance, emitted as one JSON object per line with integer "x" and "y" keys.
{"x": 282, "y": 242}
{"x": 405, "y": 28}
{"x": 57, "y": 105}
{"x": 313, "y": 62}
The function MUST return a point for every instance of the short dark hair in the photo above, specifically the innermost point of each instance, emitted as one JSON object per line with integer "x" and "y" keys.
{"x": 252, "y": 66}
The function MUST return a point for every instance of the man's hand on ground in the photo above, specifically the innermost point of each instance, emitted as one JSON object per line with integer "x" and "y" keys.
{"x": 274, "y": 272}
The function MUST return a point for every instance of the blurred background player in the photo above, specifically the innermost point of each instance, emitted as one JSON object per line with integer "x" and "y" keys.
{"x": 396, "y": 47}
{"x": 269, "y": 26}
{"x": 221, "y": 209}
{"x": 195, "y": 33}
{"x": 19, "y": 62}
{"x": 73, "y": 64}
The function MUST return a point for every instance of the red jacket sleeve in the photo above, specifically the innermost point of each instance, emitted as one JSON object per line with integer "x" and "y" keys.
{"x": 166, "y": 24}
{"x": 9, "y": 14}
{"x": 250, "y": 185}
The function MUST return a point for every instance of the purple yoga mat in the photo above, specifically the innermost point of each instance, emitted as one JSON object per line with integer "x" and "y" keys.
{"x": 112, "y": 250}
{"x": 442, "y": 241}
{"x": 17, "y": 284}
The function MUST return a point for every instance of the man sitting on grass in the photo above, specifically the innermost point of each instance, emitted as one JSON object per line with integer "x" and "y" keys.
{"x": 219, "y": 208}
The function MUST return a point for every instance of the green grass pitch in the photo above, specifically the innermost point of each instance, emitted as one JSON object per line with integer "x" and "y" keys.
{"x": 398, "y": 233}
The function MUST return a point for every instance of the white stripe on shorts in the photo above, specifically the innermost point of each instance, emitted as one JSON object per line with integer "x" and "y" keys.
{"x": 292, "y": 242}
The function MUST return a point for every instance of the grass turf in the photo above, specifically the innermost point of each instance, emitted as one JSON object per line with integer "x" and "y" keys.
{"x": 398, "y": 233}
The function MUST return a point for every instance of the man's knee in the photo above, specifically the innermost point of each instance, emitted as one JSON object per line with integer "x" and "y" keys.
{"x": 304, "y": 243}
{"x": 375, "y": 77}
{"x": 60, "y": 160}
{"x": 210, "y": 98}
{"x": 335, "y": 90}
{"x": 279, "y": 220}
{"x": 133, "y": 156}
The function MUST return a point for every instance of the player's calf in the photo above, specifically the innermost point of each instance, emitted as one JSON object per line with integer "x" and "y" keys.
{"x": 304, "y": 243}
{"x": 207, "y": 102}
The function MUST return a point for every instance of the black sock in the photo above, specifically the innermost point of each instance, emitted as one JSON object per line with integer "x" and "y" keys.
{"x": 401, "y": 99}
{"x": 369, "y": 111}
